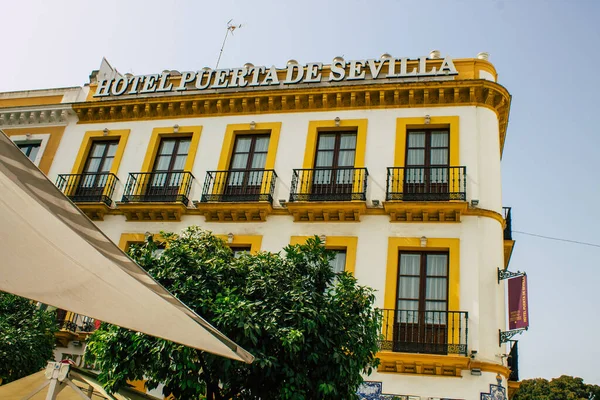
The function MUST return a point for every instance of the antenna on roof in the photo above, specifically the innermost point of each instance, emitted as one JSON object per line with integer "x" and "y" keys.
{"x": 230, "y": 28}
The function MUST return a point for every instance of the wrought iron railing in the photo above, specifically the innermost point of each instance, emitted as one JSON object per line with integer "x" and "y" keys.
{"x": 426, "y": 183}
{"x": 329, "y": 184}
{"x": 508, "y": 219}
{"x": 72, "y": 322}
{"x": 513, "y": 361}
{"x": 168, "y": 187}
{"x": 239, "y": 185}
{"x": 428, "y": 332}
{"x": 88, "y": 187}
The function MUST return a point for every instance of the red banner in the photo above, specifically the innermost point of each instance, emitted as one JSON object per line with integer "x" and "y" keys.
{"x": 518, "y": 309}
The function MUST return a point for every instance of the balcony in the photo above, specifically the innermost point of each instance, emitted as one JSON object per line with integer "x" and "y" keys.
{"x": 156, "y": 196}
{"x": 237, "y": 195}
{"x": 92, "y": 192}
{"x": 328, "y": 194}
{"x": 426, "y": 194}
{"x": 427, "y": 332}
{"x": 509, "y": 243}
{"x": 72, "y": 327}
{"x": 424, "y": 342}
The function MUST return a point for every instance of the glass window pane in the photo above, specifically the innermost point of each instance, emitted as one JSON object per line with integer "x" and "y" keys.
{"x": 326, "y": 141}
{"x": 262, "y": 144}
{"x": 408, "y": 287}
{"x": 346, "y": 158}
{"x": 112, "y": 149}
{"x": 344, "y": 176}
{"x": 93, "y": 165}
{"x": 184, "y": 147}
{"x": 414, "y": 175}
{"x": 439, "y": 139}
{"x": 437, "y": 265}
{"x": 348, "y": 141}
{"x": 410, "y": 264}
{"x": 107, "y": 164}
{"x": 259, "y": 160}
{"x": 167, "y": 147}
{"x": 415, "y": 157}
{"x": 243, "y": 144}
{"x": 439, "y": 156}
{"x": 33, "y": 152}
{"x": 416, "y": 139}
{"x": 239, "y": 161}
{"x": 324, "y": 159}
{"x": 435, "y": 288}
{"x": 408, "y": 311}
{"x": 97, "y": 150}
{"x": 322, "y": 176}
{"x": 438, "y": 175}
{"x": 255, "y": 178}
{"x": 338, "y": 264}
{"x": 435, "y": 312}
{"x": 240, "y": 251}
{"x": 162, "y": 163}
{"x": 179, "y": 163}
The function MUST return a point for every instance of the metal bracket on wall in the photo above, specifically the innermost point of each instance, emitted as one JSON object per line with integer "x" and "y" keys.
{"x": 506, "y": 274}
{"x": 505, "y": 336}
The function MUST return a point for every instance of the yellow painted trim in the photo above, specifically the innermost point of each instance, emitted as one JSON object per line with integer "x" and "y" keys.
{"x": 482, "y": 212}
{"x": 127, "y": 239}
{"x": 397, "y": 244}
{"x": 233, "y": 130}
{"x": 350, "y": 243}
{"x": 254, "y": 241}
{"x": 491, "y": 367}
{"x": 159, "y": 133}
{"x": 314, "y": 127}
{"x": 404, "y": 124}
{"x": 56, "y": 134}
{"x": 86, "y": 145}
{"x": 31, "y": 101}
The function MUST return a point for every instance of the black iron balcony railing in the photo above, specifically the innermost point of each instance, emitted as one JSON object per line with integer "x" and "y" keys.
{"x": 72, "y": 322}
{"x": 428, "y": 332}
{"x": 513, "y": 361}
{"x": 426, "y": 183}
{"x": 508, "y": 219}
{"x": 88, "y": 187}
{"x": 239, "y": 185}
{"x": 167, "y": 187}
{"x": 329, "y": 184}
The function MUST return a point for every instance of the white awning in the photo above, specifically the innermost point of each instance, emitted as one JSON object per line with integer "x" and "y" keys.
{"x": 51, "y": 252}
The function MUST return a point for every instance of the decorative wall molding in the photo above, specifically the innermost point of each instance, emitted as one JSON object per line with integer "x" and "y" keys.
{"x": 36, "y": 116}
{"x": 471, "y": 92}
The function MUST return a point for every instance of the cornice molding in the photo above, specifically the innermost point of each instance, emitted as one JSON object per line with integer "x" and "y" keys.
{"x": 475, "y": 92}
{"x": 53, "y": 115}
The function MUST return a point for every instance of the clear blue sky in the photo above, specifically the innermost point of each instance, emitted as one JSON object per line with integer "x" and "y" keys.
{"x": 546, "y": 54}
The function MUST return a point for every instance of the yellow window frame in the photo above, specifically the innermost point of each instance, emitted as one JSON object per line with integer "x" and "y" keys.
{"x": 55, "y": 132}
{"x": 403, "y": 125}
{"x": 397, "y": 244}
{"x": 254, "y": 241}
{"x": 273, "y": 129}
{"x": 315, "y": 127}
{"x": 348, "y": 243}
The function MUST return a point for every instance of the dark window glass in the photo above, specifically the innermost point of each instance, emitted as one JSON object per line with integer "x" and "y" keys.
{"x": 30, "y": 149}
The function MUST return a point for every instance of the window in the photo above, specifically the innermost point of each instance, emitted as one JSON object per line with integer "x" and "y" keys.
{"x": 427, "y": 160}
{"x": 422, "y": 303}
{"x": 238, "y": 251}
{"x": 30, "y": 149}
{"x": 96, "y": 169}
{"x": 423, "y": 282}
{"x": 338, "y": 264}
{"x": 167, "y": 173}
{"x": 246, "y": 169}
{"x": 334, "y": 163}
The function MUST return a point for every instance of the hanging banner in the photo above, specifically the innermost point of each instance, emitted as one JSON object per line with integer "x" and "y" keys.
{"x": 518, "y": 308}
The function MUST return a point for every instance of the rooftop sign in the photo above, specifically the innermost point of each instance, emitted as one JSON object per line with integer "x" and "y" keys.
{"x": 260, "y": 76}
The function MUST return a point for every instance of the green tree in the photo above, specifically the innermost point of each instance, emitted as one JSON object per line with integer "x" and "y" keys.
{"x": 26, "y": 337}
{"x": 563, "y": 388}
{"x": 312, "y": 332}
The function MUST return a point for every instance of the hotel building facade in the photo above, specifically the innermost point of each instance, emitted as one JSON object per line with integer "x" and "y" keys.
{"x": 394, "y": 163}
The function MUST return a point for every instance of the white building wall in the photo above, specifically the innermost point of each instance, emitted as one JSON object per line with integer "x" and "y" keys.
{"x": 481, "y": 251}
